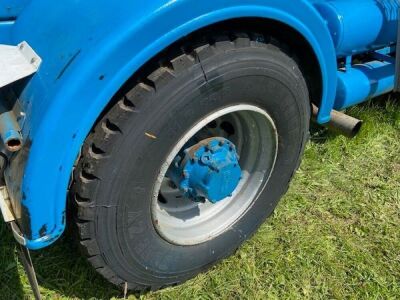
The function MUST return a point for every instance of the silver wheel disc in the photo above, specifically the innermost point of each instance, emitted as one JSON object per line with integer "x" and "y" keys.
{"x": 181, "y": 221}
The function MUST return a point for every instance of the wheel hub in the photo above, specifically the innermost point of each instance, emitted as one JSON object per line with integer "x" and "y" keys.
{"x": 252, "y": 134}
{"x": 208, "y": 170}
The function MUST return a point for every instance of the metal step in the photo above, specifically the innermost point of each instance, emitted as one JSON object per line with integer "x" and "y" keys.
{"x": 17, "y": 62}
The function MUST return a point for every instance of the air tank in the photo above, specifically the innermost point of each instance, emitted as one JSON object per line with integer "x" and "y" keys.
{"x": 359, "y": 26}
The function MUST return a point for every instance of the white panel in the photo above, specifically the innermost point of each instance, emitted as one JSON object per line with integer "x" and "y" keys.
{"x": 17, "y": 62}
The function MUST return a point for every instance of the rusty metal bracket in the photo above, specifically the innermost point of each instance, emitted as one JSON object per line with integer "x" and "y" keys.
{"x": 26, "y": 261}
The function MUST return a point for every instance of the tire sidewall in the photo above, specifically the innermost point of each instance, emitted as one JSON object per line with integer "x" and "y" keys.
{"x": 126, "y": 231}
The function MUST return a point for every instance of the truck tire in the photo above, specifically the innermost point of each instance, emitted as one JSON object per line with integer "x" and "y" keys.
{"x": 133, "y": 223}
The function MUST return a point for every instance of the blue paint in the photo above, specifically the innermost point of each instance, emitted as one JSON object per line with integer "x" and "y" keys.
{"x": 83, "y": 41}
{"x": 10, "y": 9}
{"x": 364, "y": 81}
{"x": 208, "y": 170}
{"x": 358, "y": 26}
{"x": 5, "y": 31}
{"x": 113, "y": 41}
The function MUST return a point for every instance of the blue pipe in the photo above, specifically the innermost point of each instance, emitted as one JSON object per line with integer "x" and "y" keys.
{"x": 10, "y": 131}
{"x": 361, "y": 82}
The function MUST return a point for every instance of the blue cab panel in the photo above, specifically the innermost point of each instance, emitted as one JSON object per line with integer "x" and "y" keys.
{"x": 11, "y": 9}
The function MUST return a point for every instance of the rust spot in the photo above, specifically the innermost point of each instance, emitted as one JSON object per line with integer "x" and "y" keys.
{"x": 203, "y": 143}
{"x": 43, "y": 230}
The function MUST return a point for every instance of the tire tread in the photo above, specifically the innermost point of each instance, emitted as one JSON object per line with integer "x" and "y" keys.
{"x": 110, "y": 127}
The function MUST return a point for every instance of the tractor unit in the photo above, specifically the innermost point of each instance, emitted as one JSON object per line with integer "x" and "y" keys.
{"x": 166, "y": 131}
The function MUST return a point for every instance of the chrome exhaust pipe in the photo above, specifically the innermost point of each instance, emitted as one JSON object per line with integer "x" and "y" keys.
{"x": 341, "y": 123}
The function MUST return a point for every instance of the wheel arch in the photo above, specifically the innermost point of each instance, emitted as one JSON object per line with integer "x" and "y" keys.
{"x": 58, "y": 129}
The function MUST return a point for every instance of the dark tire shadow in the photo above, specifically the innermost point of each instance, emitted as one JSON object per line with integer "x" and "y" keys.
{"x": 62, "y": 269}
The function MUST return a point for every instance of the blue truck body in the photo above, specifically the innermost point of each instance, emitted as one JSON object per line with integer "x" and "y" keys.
{"x": 91, "y": 48}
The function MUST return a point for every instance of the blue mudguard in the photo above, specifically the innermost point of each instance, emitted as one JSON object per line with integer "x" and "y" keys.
{"x": 89, "y": 49}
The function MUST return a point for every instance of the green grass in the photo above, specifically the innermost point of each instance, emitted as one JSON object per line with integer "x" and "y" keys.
{"x": 335, "y": 235}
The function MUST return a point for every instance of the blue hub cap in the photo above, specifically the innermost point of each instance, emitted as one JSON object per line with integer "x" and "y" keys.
{"x": 208, "y": 170}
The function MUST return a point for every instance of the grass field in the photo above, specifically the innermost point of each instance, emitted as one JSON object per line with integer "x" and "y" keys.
{"x": 335, "y": 235}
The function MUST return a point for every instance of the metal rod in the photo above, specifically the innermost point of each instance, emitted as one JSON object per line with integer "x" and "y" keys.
{"x": 26, "y": 261}
{"x": 341, "y": 123}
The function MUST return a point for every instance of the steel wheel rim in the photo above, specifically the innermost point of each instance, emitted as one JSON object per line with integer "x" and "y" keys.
{"x": 186, "y": 223}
